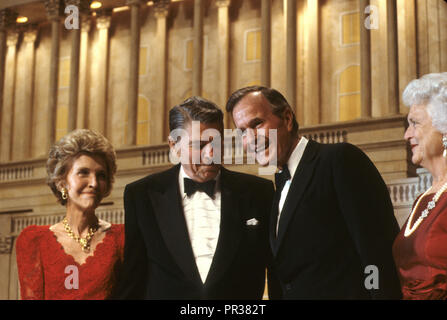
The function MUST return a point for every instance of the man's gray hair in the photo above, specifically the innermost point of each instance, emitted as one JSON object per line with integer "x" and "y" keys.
{"x": 430, "y": 90}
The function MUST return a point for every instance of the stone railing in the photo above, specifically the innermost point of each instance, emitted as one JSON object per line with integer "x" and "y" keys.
{"x": 403, "y": 192}
{"x": 112, "y": 215}
{"x": 23, "y": 170}
{"x": 333, "y": 136}
{"x": 155, "y": 156}
{"x": 136, "y": 157}
{"x": 16, "y": 173}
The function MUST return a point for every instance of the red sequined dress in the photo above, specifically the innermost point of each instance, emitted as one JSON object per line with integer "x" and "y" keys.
{"x": 46, "y": 272}
{"x": 421, "y": 258}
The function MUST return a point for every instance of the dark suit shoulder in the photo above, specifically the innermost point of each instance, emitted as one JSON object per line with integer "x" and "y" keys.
{"x": 249, "y": 179}
{"x": 337, "y": 147}
{"x": 155, "y": 179}
{"x": 340, "y": 151}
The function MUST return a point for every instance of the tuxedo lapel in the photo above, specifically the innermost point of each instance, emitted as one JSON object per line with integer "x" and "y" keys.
{"x": 171, "y": 220}
{"x": 300, "y": 181}
{"x": 230, "y": 227}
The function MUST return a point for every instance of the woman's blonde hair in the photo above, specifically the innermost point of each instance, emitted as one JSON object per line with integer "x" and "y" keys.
{"x": 76, "y": 143}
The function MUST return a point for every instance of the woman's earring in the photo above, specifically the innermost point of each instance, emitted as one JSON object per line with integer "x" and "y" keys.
{"x": 444, "y": 143}
{"x": 64, "y": 193}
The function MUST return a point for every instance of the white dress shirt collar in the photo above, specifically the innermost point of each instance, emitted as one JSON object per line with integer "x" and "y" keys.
{"x": 295, "y": 157}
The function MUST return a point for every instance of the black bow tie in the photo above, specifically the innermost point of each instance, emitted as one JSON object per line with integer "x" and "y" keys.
{"x": 192, "y": 186}
{"x": 281, "y": 178}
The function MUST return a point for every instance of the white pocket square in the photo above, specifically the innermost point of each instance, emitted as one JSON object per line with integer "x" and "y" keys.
{"x": 252, "y": 222}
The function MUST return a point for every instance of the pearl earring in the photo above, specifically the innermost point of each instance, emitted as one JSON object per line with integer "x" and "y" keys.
{"x": 444, "y": 143}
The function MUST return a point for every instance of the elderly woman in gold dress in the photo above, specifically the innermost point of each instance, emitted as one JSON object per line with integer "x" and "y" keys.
{"x": 420, "y": 249}
{"x": 78, "y": 257}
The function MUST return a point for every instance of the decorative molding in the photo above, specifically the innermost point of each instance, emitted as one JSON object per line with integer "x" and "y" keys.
{"x": 54, "y": 9}
{"x": 6, "y": 244}
{"x": 103, "y": 19}
{"x": 222, "y": 3}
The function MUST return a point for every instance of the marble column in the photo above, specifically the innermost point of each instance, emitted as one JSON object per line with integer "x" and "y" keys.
{"x": 134, "y": 59}
{"x": 312, "y": 65}
{"x": 223, "y": 30}
{"x": 393, "y": 84}
{"x": 365, "y": 63}
{"x": 84, "y": 81}
{"x": 407, "y": 55}
{"x": 197, "y": 69}
{"x": 159, "y": 128}
{"x": 8, "y": 96}
{"x": 98, "y": 114}
{"x": 266, "y": 30}
{"x": 53, "y": 8}
{"x": 291, "y": 58}
{"x": 73, "y": 95}
{"x": 3, "y": 24}
{"x": 23, "y": 112}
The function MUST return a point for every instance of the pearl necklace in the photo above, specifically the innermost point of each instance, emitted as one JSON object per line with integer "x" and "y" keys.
{"x": 409, "y": 230}
{"x": 84, "y": 242}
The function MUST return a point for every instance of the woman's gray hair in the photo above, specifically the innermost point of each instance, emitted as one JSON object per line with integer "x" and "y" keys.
{"x": 430, "y": 90}
{"x": 76, "y": 143}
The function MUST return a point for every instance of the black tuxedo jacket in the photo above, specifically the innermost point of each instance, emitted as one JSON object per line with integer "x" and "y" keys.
{"x": 337, "y": 219}
{"x": 158, "y": 257}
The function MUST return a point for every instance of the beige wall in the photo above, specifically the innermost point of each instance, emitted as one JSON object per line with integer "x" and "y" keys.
{"x": 430, "y": 16}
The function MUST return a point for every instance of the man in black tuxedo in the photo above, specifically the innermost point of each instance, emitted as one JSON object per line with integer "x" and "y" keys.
{"x": 332, "y": 224}
{"x": 197, "y": 230}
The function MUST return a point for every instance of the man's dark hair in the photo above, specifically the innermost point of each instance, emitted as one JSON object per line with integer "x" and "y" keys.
{"x": 194, "y": 109}
{"x": 277, "y": 102}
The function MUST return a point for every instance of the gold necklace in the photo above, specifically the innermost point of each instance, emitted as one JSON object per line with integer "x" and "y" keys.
{"x": 408, "y": 229}
{"x": 84, "y": 242}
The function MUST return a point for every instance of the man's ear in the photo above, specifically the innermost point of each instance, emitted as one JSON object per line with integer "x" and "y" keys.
{"x": 288, "y": 119}
{"x": 171, "y": 142}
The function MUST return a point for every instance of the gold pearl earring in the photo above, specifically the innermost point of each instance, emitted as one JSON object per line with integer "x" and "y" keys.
{"x": 64, "y": 193}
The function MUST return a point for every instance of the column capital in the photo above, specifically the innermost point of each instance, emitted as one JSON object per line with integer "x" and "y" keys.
{"x": 2, "y": 20}
{"x": 12, "y": 38}
{"x": 161, "y": 8}
{"x": 30, "y": 33}
{"x": 54, "y": 9}
{"x": 83, "y": 5}
{"x": 135, "y": 2}
{"x": 86, "y": 22}
{"x": 223, "y": 3}
{"x": 7, "y": 19}
{"x": 103, "y": 18}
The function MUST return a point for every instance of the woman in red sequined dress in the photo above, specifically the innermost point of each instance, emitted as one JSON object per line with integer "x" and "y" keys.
{"x": 420, "y": 249}
{"x": 78, "y": 257}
